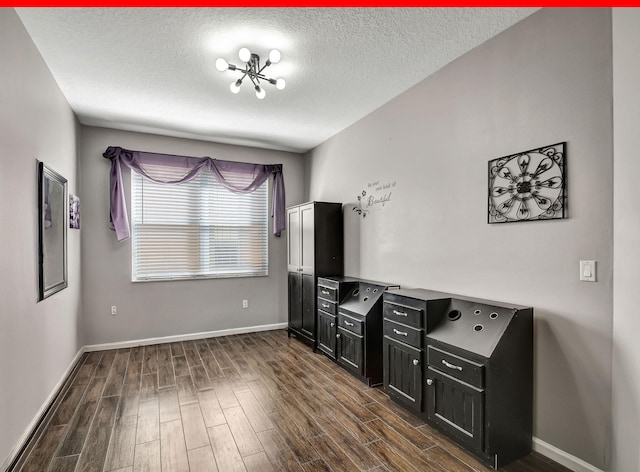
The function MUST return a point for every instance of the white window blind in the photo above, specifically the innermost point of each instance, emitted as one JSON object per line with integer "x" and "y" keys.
{"x": 197, "y": 229}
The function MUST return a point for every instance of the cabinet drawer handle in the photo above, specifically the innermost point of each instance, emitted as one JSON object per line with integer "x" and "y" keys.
{"x": 325, "y": 292}
{"x": 401, "y": 333}
{"x": 332, "y": 325}
{"x": 399, "y": 313}
{"x": 451, "y": 366}
{"x": 337, "y": 335}
{"x": 347, "y": 323}
{"x": 325, "y": 305}
{"x": 429, "y": 381}
{"x": 416, "y": 362}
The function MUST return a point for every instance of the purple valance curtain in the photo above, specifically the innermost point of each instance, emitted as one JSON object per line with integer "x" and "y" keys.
{"x": 189, "y": 168}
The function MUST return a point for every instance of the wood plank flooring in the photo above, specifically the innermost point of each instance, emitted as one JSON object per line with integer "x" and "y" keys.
{"x": 254, "y": 402}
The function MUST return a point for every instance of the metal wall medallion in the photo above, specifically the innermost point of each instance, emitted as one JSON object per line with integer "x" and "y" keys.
{"x": 528, "y": 186}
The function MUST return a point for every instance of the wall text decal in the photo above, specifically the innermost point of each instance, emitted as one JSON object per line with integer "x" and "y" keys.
{"x": 378, "y": 194}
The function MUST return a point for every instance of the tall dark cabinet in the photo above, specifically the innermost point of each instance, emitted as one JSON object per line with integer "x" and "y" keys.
{"x": 314, "y": 249}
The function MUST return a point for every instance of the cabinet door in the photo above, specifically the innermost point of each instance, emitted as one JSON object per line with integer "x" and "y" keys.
{"x": 327, "y": 333}
{"x": 308, "y": 305}
{"x": 293, "y": 239}
{"x": 456, "y": 407}
{"x": 295, "y": 301}
{"x": 350, "y": 351}
{"x": 307, "y": 243}
{"x": 403, "y": 373}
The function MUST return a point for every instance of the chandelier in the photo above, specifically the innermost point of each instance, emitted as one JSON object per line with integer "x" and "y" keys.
{"x": 252, "y": 70}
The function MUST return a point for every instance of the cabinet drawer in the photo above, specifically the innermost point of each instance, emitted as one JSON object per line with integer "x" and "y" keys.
{"x": 327, "y": 306}
{"x": 328, "y": 282}
{"x": 328, "y": 293}
{"x": 403, "y": 314}
{"x": 457, "y": 367}
{"x": 350, "y": 323}
{"x": 412, "y": 337}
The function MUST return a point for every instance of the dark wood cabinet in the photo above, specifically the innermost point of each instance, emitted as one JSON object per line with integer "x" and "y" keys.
{"x": 331, "y": 291}
{"x": 350, "y": 324}
{"x": 405, "y": 322}
{"x": 314, "y": 248}
{"x": 327, "y": 333}
{"x": 350, "y": 350}
{"x": 457, "y": 408}
{"x": 308, "y": 305}
{"x": 295, "y": 306}
{"x": 476, "y": 359}
{"x": 350, "y": 310}
{"x": 301, "y": 306}
{"x": 403, "y": 373}
{"x": 455, "y": 391}
{"x": 480, "y": 377}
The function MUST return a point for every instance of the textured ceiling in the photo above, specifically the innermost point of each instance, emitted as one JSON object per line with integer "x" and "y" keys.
{"x": 153, "y": 70}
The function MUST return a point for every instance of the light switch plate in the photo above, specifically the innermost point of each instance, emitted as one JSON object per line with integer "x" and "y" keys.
{"x": 588, "y": 271}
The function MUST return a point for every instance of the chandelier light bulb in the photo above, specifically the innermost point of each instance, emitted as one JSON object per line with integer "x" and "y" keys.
{"x": 221, "y": 64}
{"x": 260, "y": 93}
{"x": 280, "y": 83}
{"x": 275, "y": 56}
{"x": 244, "y": 54}
{"x": 235, "y": 86}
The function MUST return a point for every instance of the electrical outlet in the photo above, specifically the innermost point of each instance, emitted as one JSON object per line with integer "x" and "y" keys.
{"x": 114, "y": 310}
{"x": 245, "y": 303}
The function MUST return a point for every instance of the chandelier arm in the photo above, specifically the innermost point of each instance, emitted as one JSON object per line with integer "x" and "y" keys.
{"x": 264, "y": 77}
{"x": 258, "y": 76}
{"x": 244, "y": 74}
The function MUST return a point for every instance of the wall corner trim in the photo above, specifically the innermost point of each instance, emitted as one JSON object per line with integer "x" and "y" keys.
{"x": 563, "y": 458}
{"x": 184, "y": 337}
{"x": 40, "y": 414}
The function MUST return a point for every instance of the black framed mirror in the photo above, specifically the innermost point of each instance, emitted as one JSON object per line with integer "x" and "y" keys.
{"x": 52, "y": 232}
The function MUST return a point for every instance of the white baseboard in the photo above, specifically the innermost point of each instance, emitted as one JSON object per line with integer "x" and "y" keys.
{"x": 563, "y": 458}
{"x": 39, "y": 414}
{"x": 183, "y": 337}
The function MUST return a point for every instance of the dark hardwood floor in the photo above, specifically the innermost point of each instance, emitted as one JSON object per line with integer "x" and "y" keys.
{"x": 254, "y": 402}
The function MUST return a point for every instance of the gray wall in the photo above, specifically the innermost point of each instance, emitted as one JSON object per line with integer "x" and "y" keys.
{"x": 152, "y": 309}
{"x": 38, "y": 341}
{"x": 545, "y": 80}
{"x": 626, "y": 224}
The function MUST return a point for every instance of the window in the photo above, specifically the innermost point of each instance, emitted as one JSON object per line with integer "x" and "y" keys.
{"x": 196, "y": 229}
